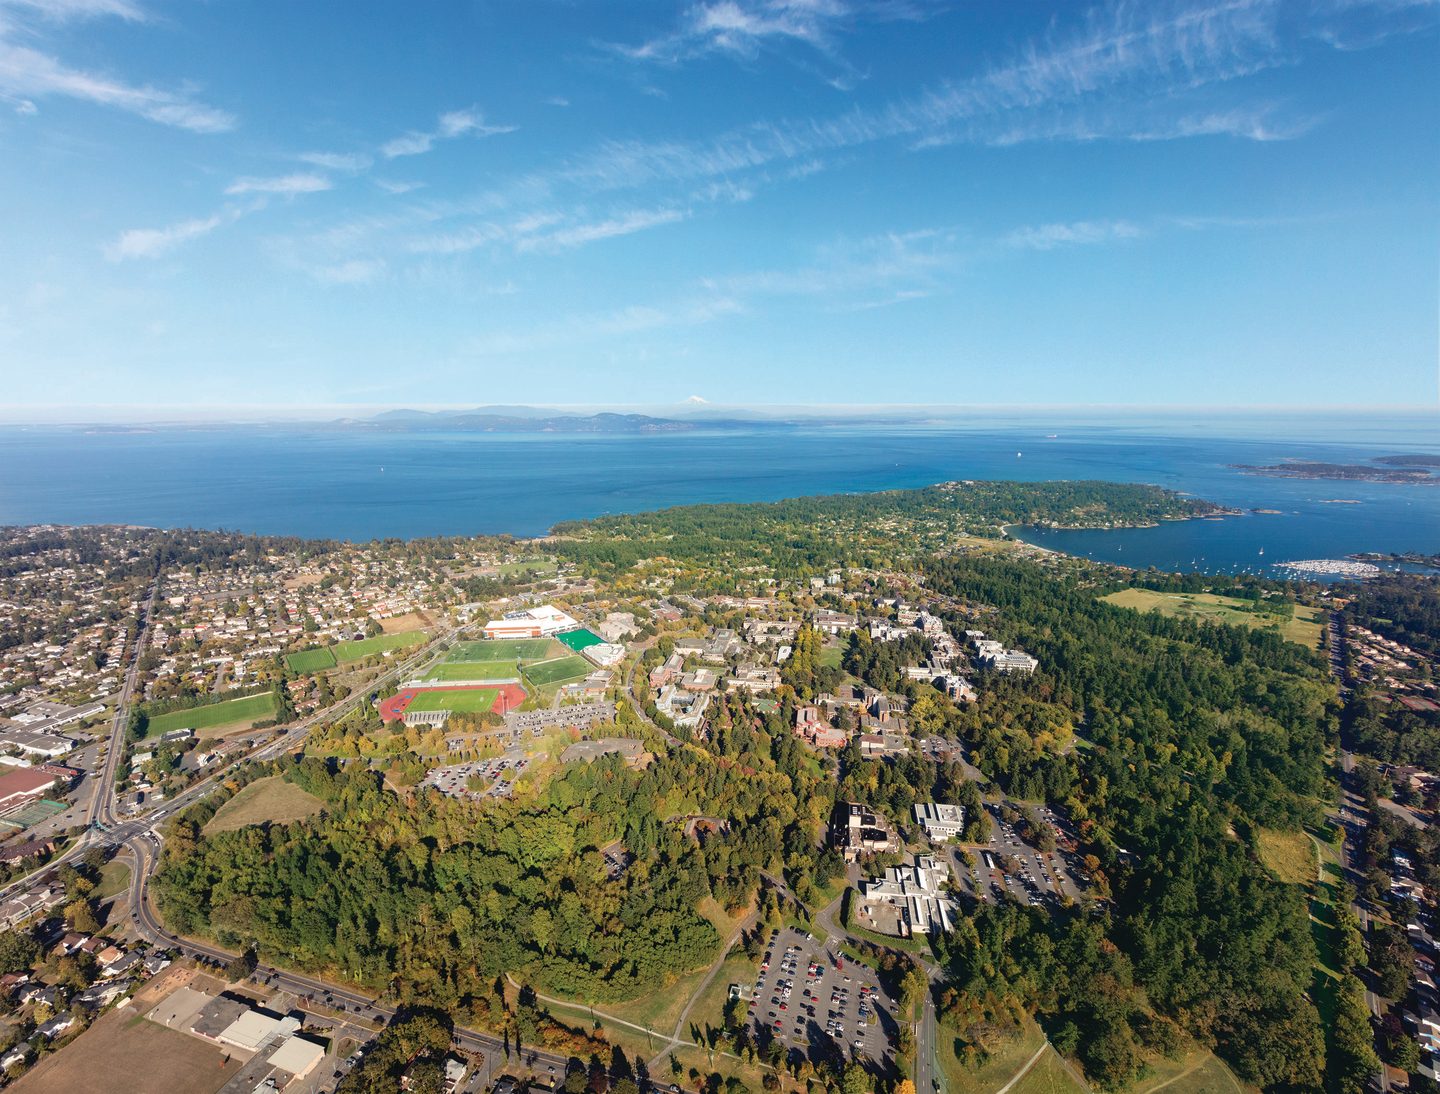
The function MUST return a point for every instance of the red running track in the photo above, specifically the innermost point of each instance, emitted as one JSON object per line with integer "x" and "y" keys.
{"x": 507, "y": 698}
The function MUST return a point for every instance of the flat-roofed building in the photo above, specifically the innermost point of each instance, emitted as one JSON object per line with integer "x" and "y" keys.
{"x": 940, "y": 821}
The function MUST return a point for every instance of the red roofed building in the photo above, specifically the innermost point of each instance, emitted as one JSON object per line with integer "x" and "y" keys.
{"x": 24, "y": 784}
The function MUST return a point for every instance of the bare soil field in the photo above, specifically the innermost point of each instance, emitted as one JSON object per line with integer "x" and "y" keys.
{"x": 122, "y": 1053}
{"x": 411, "y": 621}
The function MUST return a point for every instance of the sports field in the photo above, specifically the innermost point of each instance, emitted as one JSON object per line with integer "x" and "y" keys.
{"x": 502, "y": 649}
{"x": 1305, "y": 628}
{"x": 580, "y": 640}
{"x": 365, "y": 647}
{"x": 474, "y": 670}
{"x": 311, "y": 660}
{"x": 254, "y": 708}
{"x": 469, "y": 700}
{"x": 558, "y": 671}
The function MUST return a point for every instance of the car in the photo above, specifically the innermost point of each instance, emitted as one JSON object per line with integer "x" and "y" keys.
{"x": 782, "y": 1006}
{"x": 772, "y": 1014}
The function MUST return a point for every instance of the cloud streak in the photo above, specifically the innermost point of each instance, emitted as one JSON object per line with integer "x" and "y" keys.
{"x": 284, "y": 184}
{"x": 457, "y": 123}
{"x": 154, "y": 242}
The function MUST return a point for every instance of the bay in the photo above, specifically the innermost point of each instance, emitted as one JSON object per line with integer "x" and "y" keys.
{"x": 328, "y": 483}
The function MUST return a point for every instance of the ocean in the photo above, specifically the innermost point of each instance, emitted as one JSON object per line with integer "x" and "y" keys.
{"x": 355, "y": 485}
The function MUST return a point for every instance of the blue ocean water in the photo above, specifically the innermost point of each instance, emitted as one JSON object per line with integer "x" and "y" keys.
{"x": 361, "y": 485}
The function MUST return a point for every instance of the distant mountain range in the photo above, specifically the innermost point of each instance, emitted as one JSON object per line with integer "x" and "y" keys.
{"x": 526, "y": 419}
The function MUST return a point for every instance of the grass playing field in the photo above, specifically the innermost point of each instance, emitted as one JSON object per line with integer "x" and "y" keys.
{"x": 364, "y": 647}
{"x": 470, "y": 700}
{"x": 255, "y": 708}
{"x": 505, "y": 649}
{"x": 560, "y": 670}
{"x": 474, "y": 670}
{"x": 311, "y": 660}
{"x": 271, "y": 799}
{"x": 580, "y": 640}
{"x": 1305, "y": 628}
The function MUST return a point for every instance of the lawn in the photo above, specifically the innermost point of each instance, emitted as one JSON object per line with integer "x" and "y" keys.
{"x": 1290, "y": 856}
{"x": 253, "y": 708}
{"x": 365, "y": 647}
{"x": 271, "y": 799}
{"x": 528, "y": 565}
{"x": 474, "y": 670}
{"x": 114, "y": 880}
{"x": 560, "y": 670}
{"x": 1001, "y": 1066}
{"x": 831, "y": 656}
{"x": 1210, "y": 1077}
{"x": 1305, "y": 628}
{"x": 1048, "y": 1076}
{"x": 501, "y": 649}
{"x": 308, "y": 661}
{"x": 469, "y": 700}
{"x": 124, "y": 1055}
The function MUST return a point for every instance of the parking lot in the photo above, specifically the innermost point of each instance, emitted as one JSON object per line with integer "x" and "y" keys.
{"x": 808, "y": 994}
{"x": 1034, "y": 876}
{"x": 455, "y": 779}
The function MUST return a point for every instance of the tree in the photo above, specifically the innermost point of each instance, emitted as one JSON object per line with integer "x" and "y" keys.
{"x": 81, "y": 917}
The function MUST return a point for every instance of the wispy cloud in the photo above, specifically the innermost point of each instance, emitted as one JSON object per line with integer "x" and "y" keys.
{"x": 636, "y": 319}
{"x": 28, "y": 73}
{"x": 31, "y": 74}
{"x": 744, "y": 27}
{"x": 624, "y": 224}
{"x": 336, "y": 161}
{"x": 1047, "y": 237}
{"x": 283, "y": 184}
{"x": 456, "y": 123}
{"x": 154, "y": 242}
{"x": 357, "y": 271}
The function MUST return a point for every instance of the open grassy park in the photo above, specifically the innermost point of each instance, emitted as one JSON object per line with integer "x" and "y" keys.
{"x": 272, "y": 799}
{"x": 213, "y": 719}
{"x": 1290, "y": 856}
{"x": 1304, "y": 628}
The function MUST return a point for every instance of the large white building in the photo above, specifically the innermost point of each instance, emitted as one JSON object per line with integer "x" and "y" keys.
{"x": 940, "y": 821}
{"x": 539, "y": 622}
{"x": 917, "y": 893}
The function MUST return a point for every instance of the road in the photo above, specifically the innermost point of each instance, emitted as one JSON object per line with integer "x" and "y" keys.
{"x": 102, "y": 794}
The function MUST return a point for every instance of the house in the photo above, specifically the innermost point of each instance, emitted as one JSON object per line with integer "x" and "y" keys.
{"x": 17, "y": 1055}
{"x": 941, "y": 821}
{"x": 100, "y": 995}
{"x": 61, "y": 1023}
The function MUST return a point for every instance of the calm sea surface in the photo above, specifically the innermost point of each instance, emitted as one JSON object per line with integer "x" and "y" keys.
{"x": 356, "y": 485}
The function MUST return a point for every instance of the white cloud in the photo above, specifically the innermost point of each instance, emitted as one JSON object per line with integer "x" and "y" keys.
{"x": 78, "y": 9}
{"x": 392, "y": 186}
{"x": 454, "y": 124}
{"x": 28, "y": 73}
{"x": 25, "y": 108}
{"x": 283, "y": 184}
{"x": 336, "y": 161}
{"x": 743, "y": 27}
{"x": 153, "y": 242}
{"x": 1046, "y": 237}
{"x": 358, "y": 271}
{"x": 577, "y": 235}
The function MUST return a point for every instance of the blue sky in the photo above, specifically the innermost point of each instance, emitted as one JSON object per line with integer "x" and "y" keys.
{"x": 236, "y": 203}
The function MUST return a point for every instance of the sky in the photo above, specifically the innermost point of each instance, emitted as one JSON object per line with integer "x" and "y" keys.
{"x": 863, "y": 202}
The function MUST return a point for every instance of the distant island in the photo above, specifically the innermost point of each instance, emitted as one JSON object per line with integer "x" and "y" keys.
{"x": 1397, "y": 469}
{"x": 517, "y": 420}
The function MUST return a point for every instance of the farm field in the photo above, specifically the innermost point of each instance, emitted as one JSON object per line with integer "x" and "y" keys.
{"x": 271, "y": 799}
{"x": 365, "y": 647}
{"x": 474, "y": 670}
{"x": 472, "y": 701}
{"x": 254, "y": 708}
{"x": 135, "y": 1056}
{"x": 560, "y": 670}
{"x": 502, "y": 649}
{"x": 1305, "y": 628}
